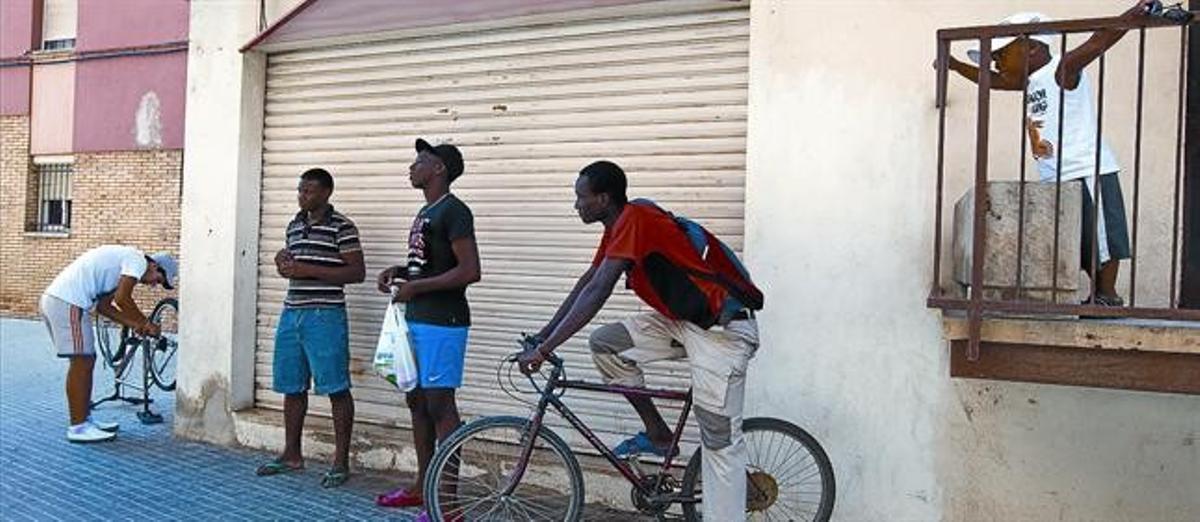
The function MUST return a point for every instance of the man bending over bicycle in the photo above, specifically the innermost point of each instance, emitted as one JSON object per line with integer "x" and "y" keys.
{"x": 102, "y": 278}
{"x": 691, "y": 319}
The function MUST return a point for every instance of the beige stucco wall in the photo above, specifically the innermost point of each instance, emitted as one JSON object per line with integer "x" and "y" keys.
{"x": 839, "y": 214}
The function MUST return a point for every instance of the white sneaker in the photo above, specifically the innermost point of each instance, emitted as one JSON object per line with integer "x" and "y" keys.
{"x": 87, "y": 432}
{"x": 110, "y": 427}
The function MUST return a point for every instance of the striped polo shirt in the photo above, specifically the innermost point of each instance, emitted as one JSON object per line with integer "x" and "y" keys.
{"x": 320, "y": 243}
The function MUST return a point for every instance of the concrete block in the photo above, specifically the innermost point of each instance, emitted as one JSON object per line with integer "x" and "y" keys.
{"x": 1037, "y": 245}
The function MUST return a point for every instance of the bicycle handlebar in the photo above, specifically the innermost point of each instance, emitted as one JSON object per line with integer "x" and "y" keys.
{"x": 554, "y": 360}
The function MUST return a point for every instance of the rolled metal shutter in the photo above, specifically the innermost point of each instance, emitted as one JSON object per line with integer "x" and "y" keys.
{"x": 662, "y": 92}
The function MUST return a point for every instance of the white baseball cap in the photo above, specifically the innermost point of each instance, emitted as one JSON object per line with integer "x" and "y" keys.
{"x": 169, "y": 267}
{"x": 1027, "y": 17}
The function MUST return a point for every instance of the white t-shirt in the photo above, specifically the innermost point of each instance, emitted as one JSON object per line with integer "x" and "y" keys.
{"x": 96, "y": 273}
{"x": 1079, "y": 127}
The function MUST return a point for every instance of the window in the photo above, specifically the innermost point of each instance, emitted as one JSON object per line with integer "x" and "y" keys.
{"x": 58, "y": 24}
{"x": 54, "y": 197}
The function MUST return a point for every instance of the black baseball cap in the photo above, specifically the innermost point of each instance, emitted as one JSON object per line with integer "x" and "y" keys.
{"x": 446, "y": 152}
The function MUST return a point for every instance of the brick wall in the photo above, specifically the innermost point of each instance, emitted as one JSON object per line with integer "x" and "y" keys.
{"x": 128, "y": 197}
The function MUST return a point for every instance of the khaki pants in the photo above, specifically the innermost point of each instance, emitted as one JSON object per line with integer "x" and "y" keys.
{"x": 717, "y": 359}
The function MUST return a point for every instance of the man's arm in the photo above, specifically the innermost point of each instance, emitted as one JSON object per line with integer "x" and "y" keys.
{"x": 1072, "y": 65}
{"x": 567, "y": 303}
{"x": 353, "y": 271}
{"x": 120, "y": 307}
{"x": 466, "y": 252}
{"x": 1000, "y": 82}
{"x": 588, "y": 303}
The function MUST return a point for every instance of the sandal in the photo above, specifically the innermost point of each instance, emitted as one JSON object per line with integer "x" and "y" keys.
{"x": 334, "y": 478}
{"x": 277, "y": 467}
{"x": 399, "y": 497}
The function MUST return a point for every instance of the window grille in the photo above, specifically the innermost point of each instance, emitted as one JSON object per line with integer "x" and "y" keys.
{"x": 54, "y": 197}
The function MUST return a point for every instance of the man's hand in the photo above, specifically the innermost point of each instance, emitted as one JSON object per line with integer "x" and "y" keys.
{"x": 530, "y": 361}
{"x": 1041, "y": 148}
{"x": 287, "y": 269}
{"x": 284, "y": 263}
{"x": 1140, "y": 9}
{"x": 384, "y": 281}
{"x": 148, "y": 329}
{"x": 282, "y": 255}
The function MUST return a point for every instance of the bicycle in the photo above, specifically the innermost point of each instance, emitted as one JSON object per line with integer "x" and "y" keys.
{"x": 516, "y": 476}
{"x": 118, "y": 347}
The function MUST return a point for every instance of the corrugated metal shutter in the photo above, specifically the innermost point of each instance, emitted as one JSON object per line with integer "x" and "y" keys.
{"x": 663, "y": 93}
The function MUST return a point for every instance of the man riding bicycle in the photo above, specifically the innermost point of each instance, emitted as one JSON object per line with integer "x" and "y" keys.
{"x": 691, "y": 318}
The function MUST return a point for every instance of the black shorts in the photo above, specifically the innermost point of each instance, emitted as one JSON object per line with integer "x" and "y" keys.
{"x": 1116, "y": 228}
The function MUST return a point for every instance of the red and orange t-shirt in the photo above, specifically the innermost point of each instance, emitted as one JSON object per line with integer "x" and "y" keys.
{"x": 642, "y": 230}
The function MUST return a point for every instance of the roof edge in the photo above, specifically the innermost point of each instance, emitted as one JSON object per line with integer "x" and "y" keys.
{"x": 258, "y": 39}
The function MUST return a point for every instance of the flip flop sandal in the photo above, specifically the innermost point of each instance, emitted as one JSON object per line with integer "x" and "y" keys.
{"x": 333, "y": 479}
{"x": 276, "y": 467}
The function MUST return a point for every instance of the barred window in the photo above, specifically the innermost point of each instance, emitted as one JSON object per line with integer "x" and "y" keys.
{"x": 54, "y": 197}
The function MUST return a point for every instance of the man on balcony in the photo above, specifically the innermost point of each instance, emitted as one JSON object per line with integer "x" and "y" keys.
{"x": 1057, "y": 87}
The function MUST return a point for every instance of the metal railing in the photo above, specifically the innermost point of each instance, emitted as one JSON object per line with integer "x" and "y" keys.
{"x": 976, "y": 303}
{"x": 54, "y": 197}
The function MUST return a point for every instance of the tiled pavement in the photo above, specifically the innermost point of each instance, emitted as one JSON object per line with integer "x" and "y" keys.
{"x": 145, "y": 473}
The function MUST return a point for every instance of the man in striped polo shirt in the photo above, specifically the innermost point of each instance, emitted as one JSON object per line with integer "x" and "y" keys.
{"x": 322, "y": 254}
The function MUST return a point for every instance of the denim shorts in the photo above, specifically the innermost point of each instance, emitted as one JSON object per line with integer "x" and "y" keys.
{"x": 311, "y": 344}
{"x": 441, "y": 353}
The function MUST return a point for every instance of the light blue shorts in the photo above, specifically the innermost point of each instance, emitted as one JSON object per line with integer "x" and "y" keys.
{"x": 441, "y": 353}
{"x": 311, "y": 344}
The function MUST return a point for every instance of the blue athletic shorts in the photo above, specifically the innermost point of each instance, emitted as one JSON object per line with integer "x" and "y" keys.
{"x": 311, "y": 344}
{"x": 441, "y": 353}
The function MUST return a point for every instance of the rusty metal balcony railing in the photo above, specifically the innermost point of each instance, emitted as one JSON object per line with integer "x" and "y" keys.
{"x": 976, "y": 303}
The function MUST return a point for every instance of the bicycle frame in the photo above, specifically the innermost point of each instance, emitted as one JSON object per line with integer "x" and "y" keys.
{"x": 548, "y": 398}
{"x": 120, "y": 380}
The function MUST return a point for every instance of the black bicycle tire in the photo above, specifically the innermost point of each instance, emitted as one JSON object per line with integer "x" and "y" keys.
{"x": 155, "y": 317}
{"x": 103, "y": 350}
{"x": 447, "y": 448}
{"x": 828, "y": 483}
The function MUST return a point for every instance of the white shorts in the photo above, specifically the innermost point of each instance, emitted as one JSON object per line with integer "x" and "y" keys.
{"x": 70, "y": 331}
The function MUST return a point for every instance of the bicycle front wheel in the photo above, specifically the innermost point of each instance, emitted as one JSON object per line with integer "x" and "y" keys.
{"x": 473, "y": 467}
{"x": 163, "y": 353}
{"x": 788, "y": 474}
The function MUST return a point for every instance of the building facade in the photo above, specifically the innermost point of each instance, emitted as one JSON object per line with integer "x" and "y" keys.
{"x": 91, "y": 112}
{"x": 804, "y": 132}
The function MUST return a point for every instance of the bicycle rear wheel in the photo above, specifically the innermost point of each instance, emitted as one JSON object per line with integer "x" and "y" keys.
{"x": 109, "y": 336}
{"x": 163, "y": 353}
{"x": 789, "y": 476}
{"x": 472, "y": 467}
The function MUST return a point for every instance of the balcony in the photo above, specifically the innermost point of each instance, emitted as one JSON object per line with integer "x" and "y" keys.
{"x": 1007, "y": 257}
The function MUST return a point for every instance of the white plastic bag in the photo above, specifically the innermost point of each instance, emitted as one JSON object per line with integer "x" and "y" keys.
{"x": 394, "y": 359}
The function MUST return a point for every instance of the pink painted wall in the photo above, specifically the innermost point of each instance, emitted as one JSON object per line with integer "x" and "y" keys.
{"x": 115, "y": 102}
{"x": 14, "y": 90}
{"x": 16, "y": 26}
{"x": 110, "y": 24}
{"x": 53, "y": 103}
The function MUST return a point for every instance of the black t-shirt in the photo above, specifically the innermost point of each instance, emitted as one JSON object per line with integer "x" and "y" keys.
{"x": 429, "y": 254}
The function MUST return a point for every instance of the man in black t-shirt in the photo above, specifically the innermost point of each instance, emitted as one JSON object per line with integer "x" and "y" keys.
{"x": 442, "y": 260}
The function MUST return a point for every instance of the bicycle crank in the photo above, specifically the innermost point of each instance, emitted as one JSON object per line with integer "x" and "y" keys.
{"x": 762, "y": 491}
{"x": 662, "y": 485}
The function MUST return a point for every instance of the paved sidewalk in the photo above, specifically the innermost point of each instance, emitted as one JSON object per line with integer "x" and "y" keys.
{"x": 145, "y": 473}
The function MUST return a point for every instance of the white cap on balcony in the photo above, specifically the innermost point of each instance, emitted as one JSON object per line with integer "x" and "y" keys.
{"x": 1027, "y": 17}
